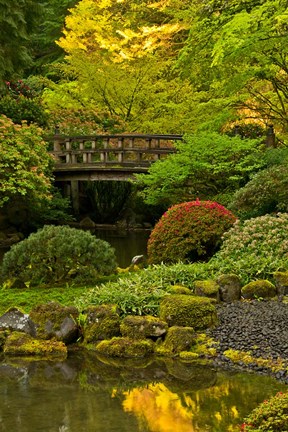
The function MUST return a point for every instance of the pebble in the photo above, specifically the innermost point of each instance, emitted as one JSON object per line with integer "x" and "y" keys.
{"x": 260, "y": 327}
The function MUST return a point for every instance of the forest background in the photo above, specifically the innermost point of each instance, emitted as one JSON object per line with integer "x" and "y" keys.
{"x": 212, "y": 70}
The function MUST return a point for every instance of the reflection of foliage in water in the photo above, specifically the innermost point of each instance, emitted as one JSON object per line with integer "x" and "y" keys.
{"x": 218, "y": 408}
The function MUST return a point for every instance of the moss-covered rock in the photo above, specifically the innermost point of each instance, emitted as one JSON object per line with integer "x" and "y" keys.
{"x": 3, "y": 337}
{"x": 125, "y": 347}
{"x": 229, "y": 287}
{"x": 141, "y": 327}
{"x": 180, "y": 289}
{"x": 177, "y": 339}
{"x": 22, "y": 344}
{"x": 16, "y": 320}
{"x": 188, "y": 311}
{"x": 258, "y": 289}
{"x": 53, "y": 320}
{"x": 101, "y": 322}
{"x": 207, "y": 288}
{"x": 281, "y": 282}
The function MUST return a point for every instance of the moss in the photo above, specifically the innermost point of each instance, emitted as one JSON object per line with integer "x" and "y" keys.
{"x": 49, "y": 317}
{"x": 96, "y": 313}
{"x": 177, "y": 339}
{"x": 188, "y": 355}
{"x": 125, "y": 347}
{"x": 281, "y": 282}
{"x": 141, "y": 327}
{"x": 107, "y": 328}
{"x": 205, "y": 346}
{"x": 188, "y": 311}
{"x": 207, "y": 288}
{"x": 258, "y": 289}
{"x": 3, "y": 336}
{"x": 247, "y": 358}
{"x": 180, "y": 289}
{"x": 21, "y": 344}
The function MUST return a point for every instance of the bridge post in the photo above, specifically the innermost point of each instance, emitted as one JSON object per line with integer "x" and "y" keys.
{"x": 120, "y": 145}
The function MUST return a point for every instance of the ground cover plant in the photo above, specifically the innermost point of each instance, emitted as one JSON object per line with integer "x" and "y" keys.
{"x": 189, "y": 231}
{"x": 140, "y": 293}
{"x": 254, "y": 249}
{"x": 269, "y": 416}
{"x": 57, "y": 254}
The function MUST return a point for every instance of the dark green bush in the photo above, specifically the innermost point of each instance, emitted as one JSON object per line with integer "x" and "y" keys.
{"x": 269, "y": 416}
{"x": 57, "y": 254}
{"x": 189, "y": 231}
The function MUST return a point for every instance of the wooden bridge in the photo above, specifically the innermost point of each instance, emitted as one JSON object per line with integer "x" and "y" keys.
{"x": 106, "y": 157}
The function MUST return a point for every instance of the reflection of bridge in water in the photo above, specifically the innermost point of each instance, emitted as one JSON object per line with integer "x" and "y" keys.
{"x": 106, "y": 157}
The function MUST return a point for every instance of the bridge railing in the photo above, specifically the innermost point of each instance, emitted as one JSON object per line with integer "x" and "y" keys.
{"x": 117, "y": 149}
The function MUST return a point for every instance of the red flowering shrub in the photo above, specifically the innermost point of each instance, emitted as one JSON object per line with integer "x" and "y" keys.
{"x": 271, "y": 415}
{"x": 189, "y": 231}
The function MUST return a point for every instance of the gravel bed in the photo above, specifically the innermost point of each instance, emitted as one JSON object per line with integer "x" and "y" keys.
{"x": 260, "y": 327}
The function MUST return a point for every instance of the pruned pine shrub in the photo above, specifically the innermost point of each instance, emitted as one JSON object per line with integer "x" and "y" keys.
{"x": 254, "y": 249}
{"x": 190, "y": 231}
{"x": 57, "y": 254}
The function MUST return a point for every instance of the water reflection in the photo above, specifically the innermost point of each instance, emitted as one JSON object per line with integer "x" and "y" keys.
{"x": 88, "y": 393}
{"x": 127, "y": 244}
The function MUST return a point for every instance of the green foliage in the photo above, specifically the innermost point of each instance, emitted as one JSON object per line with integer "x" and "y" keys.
{"x": 17, "y": 22}
{"x": 57, "y": 254}
{"x": 79, "y": 121}
{"x": 206, "y": 166}
{"x": 107, "y": 198}
{"x": 140, "y": 292}
{"x": 22, "y": 109}
{"x": 241, "y": 52}
{"x": 254, "y": 249}
{"x": 189, "y": 231}
{"x": 271, "y": 415}
{"x": 25, "y": 165}
{"x": 266, "y": 192}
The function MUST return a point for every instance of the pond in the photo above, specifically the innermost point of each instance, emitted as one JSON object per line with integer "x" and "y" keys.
{"x": 89, "y": 394}
{"x": 127, "y": 244}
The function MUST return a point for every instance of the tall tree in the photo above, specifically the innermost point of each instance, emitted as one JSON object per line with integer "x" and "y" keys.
{"x": 17, "y": 21}
{"x": 121, "y": 57}
{"x": 237, "y": 51}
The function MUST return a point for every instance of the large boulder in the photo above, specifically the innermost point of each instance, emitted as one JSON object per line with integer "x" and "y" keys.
{"x": 141, "y": 327}
{"x": 53, "y": 320}
{"x": 229, "y": 287}
{"x": 16, "y": 320}
{"x": 100, "y": 323}
{"x": 188, "y": 311}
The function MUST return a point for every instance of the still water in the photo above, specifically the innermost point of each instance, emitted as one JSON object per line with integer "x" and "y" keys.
{"x": 127, "y": 244}
{"x": 93, "y": 394}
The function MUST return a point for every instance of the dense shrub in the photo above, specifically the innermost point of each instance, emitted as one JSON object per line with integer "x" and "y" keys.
{"x": 266, "y": 192}
{"x": 189, "y": 231}
{"x": 57, "y": 254}
{"x": 269, "y": 416}
{"x": 254, "y": 249}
